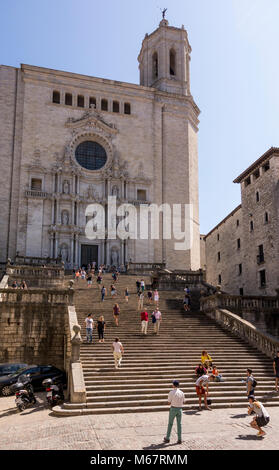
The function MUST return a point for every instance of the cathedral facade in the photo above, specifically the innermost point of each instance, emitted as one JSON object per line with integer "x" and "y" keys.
{"x": 69, "y": 141}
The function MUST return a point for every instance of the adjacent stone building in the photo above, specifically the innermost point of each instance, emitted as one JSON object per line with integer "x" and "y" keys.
{"x": 242, "y": 251}
{"x": 69, "y": 140}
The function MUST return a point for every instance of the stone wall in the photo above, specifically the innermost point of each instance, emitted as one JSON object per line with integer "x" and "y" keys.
{"x": 33, "y": 331}
{"x": 223, "y": 240}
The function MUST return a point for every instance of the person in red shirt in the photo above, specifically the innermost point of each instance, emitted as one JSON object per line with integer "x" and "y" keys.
{"x": 144, "y": 322}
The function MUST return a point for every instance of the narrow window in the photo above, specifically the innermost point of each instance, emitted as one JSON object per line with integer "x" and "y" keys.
{"x": 260, "y": 257}
{"x": 257, "y": 196}
{"x": 68, "y": 99}
{"x": 172, "y": 62}
{"x": 56, "y": 97}
{"x": 266, "y": 218}
{"x": 115, "y": 107}
{"x": 266, "y": 167}
{"x": 218, "y": 237}
{"x": 251, "y": 226}
{"x": 155, "y": 65}
{"x": 220, "y": 279}
{"x": 247, "y": 181}
{"x": 104, "y": 105}
{"x": 92, "y": 102}
{"x": 256, "y": 174}
{"x": 241, "y": 292}
{"x": 127, "y": 108}
{"x": 36, "y": 184}
{"x": 238, "y": 243}
{"x": 219, "y": 256}
{"x": 80, "y": 101}
{"x": 237, "y": 223}
{"x": 240, "y": 269}
{"x": 262, "y": 278}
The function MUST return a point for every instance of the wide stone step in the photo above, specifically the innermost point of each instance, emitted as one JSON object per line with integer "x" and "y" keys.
{"x": 190, "y": 401}
{"x": 167, "y": 381}
{"x": 188, "y": 389}
{"x": 190, "y": 396}
{"x": 67, "y": 410}
{"x": 266, "y": 385}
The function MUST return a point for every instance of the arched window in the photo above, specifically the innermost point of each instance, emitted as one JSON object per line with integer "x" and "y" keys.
{"x": 104, "y": 105}
{"x": 155, "y": 67}
{"x": 92, "y": 102}
{"x": 127, "y": 108}
{"x": 115, "y": 107}
{"x": 172, "y": 62}
{"x": 56, "y": 97}
{"x": 80, "y": 101}
{"x": 68, "y": 99}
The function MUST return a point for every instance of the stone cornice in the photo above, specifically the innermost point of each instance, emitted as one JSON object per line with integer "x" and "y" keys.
{"x": 272, "y": 152}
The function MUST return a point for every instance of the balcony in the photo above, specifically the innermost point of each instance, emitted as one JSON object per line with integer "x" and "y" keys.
{"x": 36, "y": 194}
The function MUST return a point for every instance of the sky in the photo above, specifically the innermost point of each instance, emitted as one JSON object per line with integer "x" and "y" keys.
{"x": 234, "y": 69}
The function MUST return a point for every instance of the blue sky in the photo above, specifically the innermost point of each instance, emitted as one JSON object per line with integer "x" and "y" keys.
{"x": 234, "y": 69}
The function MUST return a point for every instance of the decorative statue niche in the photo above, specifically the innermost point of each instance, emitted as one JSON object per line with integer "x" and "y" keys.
{"x": 64, "y": 252}
{"x": 65, "y": 217}
{"x": 66, "y": 187}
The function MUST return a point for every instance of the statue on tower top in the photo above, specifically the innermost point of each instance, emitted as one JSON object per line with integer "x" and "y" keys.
{"x": 164, "y": 11}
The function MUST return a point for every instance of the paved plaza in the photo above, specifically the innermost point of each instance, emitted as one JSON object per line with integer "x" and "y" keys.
{"x": 224, "y": 429}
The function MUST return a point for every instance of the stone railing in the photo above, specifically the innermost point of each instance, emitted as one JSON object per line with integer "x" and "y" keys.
{"x": 35, "y": 193}
{"x": 244, "y": 329}
{"x": 36, "y": 276}
{"x": 36, "y": 261}
{"x": 177, "y": 280}
{"x": 37, "y": 296}
{"x": 144, "y": 268}
{"x": 240, "y": 304}
{"x": 76, "y": 385}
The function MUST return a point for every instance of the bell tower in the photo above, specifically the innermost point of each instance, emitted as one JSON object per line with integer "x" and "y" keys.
{"x": 164, "y": 59}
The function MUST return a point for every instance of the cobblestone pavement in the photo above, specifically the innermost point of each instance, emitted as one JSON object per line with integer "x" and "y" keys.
{"x": 36, "y": 428}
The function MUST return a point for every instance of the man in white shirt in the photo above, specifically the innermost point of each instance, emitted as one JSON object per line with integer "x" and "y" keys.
{"x": 89, "y": 322}
{"x": 118, "y": 350}
{"x": 176, "y": 400}
{"x": 158, "y": 316}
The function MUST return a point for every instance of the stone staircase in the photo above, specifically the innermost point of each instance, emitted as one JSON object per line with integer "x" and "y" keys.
{"x": 152, "y": 362}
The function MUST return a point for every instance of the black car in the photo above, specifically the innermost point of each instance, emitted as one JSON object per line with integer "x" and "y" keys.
{"x": 7, "y": 368}
{"x": 37, "y": 375}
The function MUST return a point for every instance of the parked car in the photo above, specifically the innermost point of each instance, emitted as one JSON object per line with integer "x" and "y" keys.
{"x": 37, "y": 375}
{"x": 7, "y": 368}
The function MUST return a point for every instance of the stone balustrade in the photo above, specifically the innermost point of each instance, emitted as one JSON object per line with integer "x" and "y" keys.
{"x": 242, "y": 328}
{"x": 36, "y": 194}
{"x": 37, "y": 296}
{"x": 240, "y": 304}
{"x": 177, "y": 280}
{"x": 36, "y": 276}
{"x": 36, "y": 261}
{"x": 144, "y": 268}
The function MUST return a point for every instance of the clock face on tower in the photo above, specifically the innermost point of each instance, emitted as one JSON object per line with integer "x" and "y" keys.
{"x": 91, "y": 155}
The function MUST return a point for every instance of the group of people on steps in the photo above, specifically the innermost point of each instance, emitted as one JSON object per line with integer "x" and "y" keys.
{"x": 205, "y": 372}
